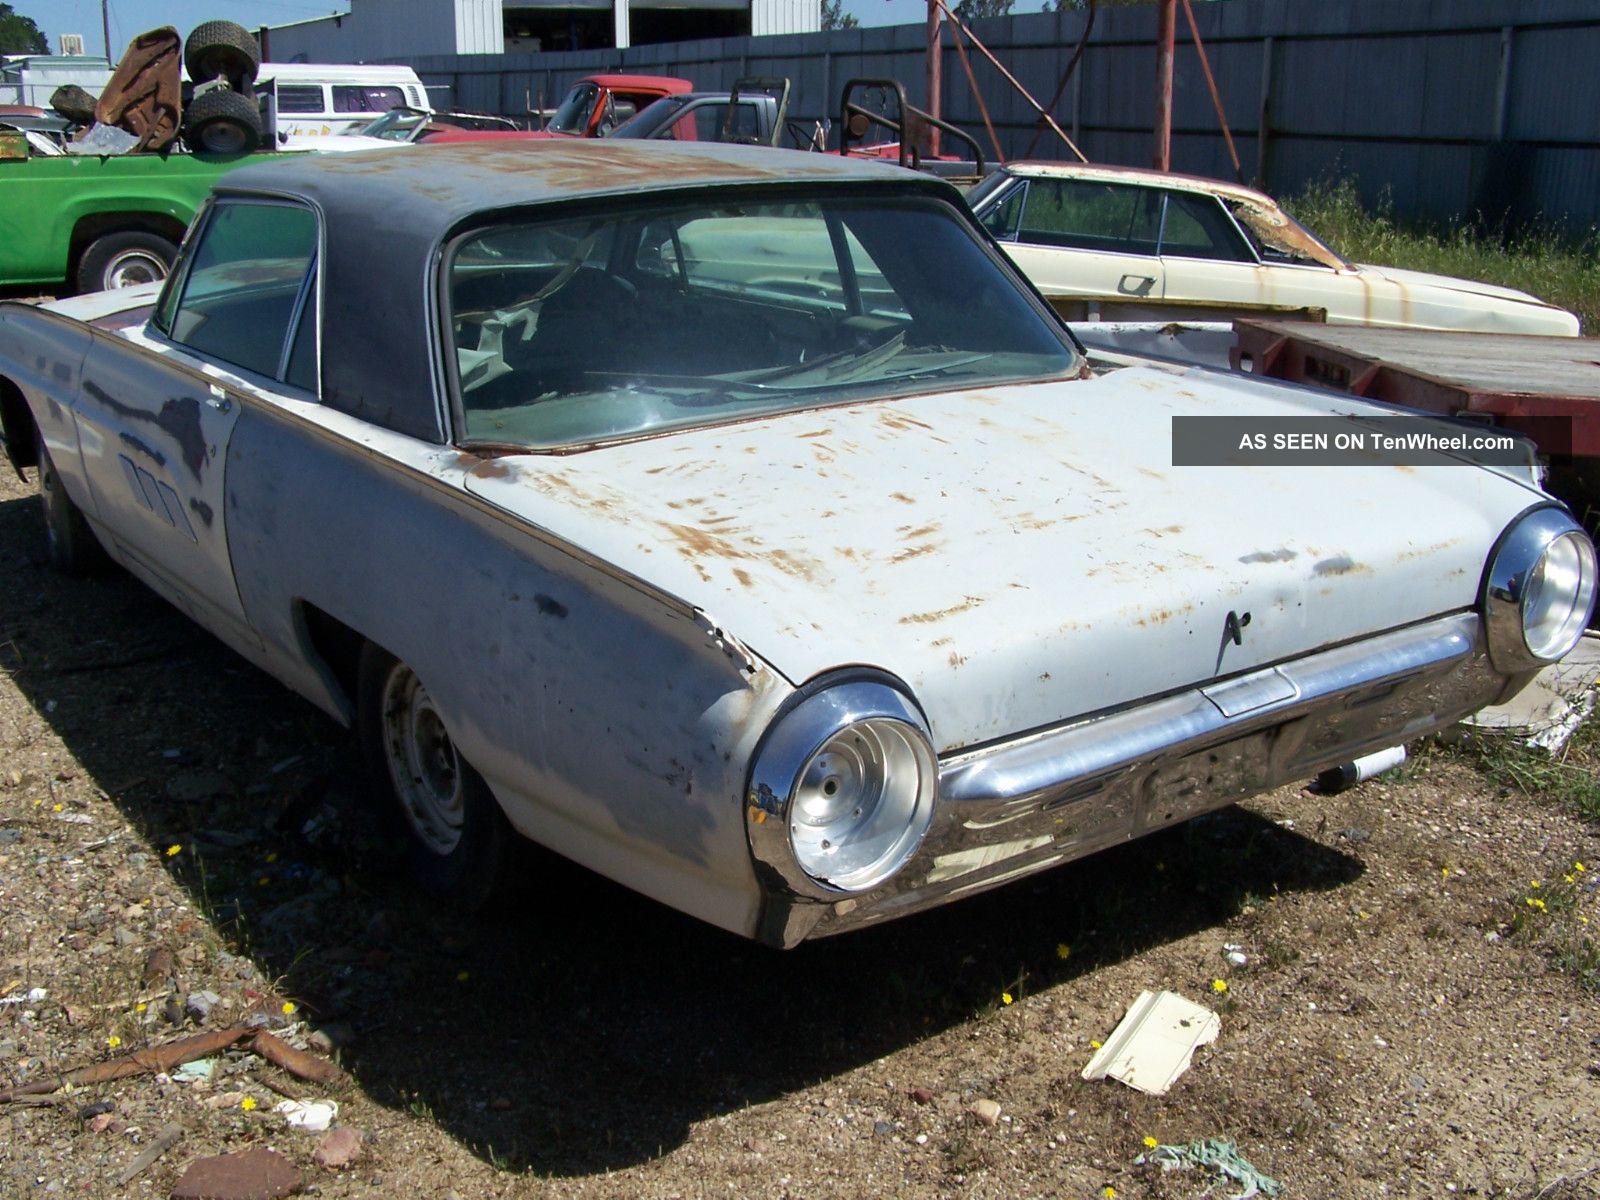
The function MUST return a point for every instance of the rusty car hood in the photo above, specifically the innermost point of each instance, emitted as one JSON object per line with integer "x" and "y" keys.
{"x": 1020, "y": 555}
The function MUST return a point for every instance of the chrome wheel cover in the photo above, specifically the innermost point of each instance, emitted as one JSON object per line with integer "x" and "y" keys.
{"x": 134, "y": 267}
{"x": 422, "y": 761}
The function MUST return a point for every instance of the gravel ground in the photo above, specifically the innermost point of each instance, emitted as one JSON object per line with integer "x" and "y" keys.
{"x": 184, "y": 847}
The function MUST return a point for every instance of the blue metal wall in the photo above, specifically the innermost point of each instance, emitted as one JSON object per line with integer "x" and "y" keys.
{"x": 1450, "y": 107}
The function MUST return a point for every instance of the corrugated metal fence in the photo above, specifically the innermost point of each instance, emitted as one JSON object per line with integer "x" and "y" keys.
{"x": 1451, "y": 106}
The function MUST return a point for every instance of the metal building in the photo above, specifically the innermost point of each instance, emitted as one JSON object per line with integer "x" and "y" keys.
{"x": 389, "y": 29}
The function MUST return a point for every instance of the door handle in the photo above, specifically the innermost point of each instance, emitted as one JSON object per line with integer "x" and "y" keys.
{"x": 1141, "y": 285}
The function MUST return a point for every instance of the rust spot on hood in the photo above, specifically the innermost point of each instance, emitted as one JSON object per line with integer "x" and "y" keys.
{"x": 931, "y": 618}
{"x": 1341, "y": 564}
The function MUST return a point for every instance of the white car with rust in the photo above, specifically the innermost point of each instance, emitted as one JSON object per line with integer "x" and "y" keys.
{"x": 739, "y": 524}
{"x": 1125, "y": 244}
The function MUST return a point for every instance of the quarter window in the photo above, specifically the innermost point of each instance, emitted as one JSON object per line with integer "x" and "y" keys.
{"x": 243, "y": 289}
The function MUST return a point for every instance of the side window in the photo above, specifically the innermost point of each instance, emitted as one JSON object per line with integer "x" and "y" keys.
{"x": 349, "y": 98}
{"x": 1087, "y": 215}
{"x": 244, "y": 285}
{"x": 1197, "y": 227}
{"x": 708, "y": 121}
{"x": 1002, "y": 219}
{"x": 302, "y": 372}
{"x": 300, "y": 98}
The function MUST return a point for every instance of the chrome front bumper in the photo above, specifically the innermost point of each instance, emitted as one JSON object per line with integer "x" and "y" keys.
{"x": 1011, "y": 809}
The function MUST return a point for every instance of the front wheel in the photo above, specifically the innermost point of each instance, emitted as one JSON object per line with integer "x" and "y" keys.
{"x": 456, "y": 834}
{"x": 126, "y": 259}
{"x": 70, "y": 542}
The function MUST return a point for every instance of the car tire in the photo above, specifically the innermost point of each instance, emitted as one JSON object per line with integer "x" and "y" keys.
{"x": 222, "y": 122}
{"x": 221, "y": 50}
{"x": 70, "y": 543}
{"x": 457, "y": 837}
{"x": 126, "y": 259}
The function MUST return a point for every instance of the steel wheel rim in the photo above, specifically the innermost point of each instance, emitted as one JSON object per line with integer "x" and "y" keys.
{"x": 422, "y": 761}
{"x": 134, "y": 267}
{"x": 224, "y": 137}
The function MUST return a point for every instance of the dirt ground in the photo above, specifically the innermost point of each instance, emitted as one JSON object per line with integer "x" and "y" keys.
{"x": 1409, "y": 1020}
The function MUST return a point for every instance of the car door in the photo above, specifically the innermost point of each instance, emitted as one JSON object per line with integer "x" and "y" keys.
{"x": 155, "y": 426}
{"x": 1083, "y": 238}
{"x": 1209, "y": 264}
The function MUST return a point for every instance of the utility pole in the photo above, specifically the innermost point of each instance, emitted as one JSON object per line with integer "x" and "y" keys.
{"x": 105, "y": 28}
{"x": 1166, "y": 32}
{"x": 935, "y": 54}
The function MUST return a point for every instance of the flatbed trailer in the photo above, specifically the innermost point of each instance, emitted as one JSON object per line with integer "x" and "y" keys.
{"x": 1545, "y": 387}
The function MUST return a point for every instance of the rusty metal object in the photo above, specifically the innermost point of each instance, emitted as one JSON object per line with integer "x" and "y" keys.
{"x": 1216, "y": 100}
{"x": 157, "y": 1059}
{"x": 1166, "y": 30}
{"x": 1545, "y": 387}
{"x": 963, "y": 27}
{"x": 977, "y": 94}
{"x": 911, "y": 125}
{"x": 143, "y": 94}
{"x": 1066, "y": 77}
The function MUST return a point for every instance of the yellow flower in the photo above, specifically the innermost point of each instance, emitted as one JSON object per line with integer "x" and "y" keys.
{"x": 1219, "y": 986}
{"x": 1063, "y": 951}
{"x": 1094, "y": 1045}
{"x": 1570, "y": 878}
{"x": 463, "y": 976}
{"x": 1578, "y": 866}
{"x": 272, "y": 856}
{"x": 288, "y": 1008}
{"x": 1161, "y": 866}
{"x": 1534, "y": 902}
{"x": 1533, "y": 883}
{"x": 1150, "y": 1143}
{"x": 248, "y": 1104}
{"x": 1005, "y": 997}
{"x": 140, "y": 1007}
{"x": 1363, "y": 914}
{"x": 1445, "y": 871}
{"x": 55, "y": 808}
{"x": 263, "y": 881}
{"x": 113, "y": 1041}
{"x": 1108, "y": 1192}
{"x": 173, "y": 849}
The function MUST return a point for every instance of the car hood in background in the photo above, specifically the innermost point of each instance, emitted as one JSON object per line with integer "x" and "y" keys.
{"x": 1020, "y": 556}
{"x": 1465, "y": 287}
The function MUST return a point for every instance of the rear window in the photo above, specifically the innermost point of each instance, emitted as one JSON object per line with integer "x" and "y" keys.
{"x": 245, "y": 290}
{"x": 578, "y": 331}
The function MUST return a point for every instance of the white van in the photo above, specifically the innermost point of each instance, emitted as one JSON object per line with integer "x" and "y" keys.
{"x": 318, "y": 99}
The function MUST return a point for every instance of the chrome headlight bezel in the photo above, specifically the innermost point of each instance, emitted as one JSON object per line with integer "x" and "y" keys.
{"x": 882, "y": 722}
{"x": 1516, "y": 586}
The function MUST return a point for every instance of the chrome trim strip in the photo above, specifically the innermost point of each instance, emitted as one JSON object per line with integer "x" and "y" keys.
{"x": 1053, "y": 760}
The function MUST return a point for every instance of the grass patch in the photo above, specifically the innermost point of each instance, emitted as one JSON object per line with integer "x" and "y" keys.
{"x": 1541, "y": 261}
{"x": 1572, "y": 780}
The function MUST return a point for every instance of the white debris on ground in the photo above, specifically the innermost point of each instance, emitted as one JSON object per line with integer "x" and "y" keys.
{"x": 1546, "y": 713}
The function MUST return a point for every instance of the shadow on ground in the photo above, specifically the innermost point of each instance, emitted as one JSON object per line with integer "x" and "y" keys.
{"x": 610, "y": 1023}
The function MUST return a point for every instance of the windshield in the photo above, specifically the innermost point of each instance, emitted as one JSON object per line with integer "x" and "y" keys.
{"x": 573, "y": 115}
{"x": 586, "y": 330}
{"x": 1278, "y": 237}
{"x": 396, "y": 125}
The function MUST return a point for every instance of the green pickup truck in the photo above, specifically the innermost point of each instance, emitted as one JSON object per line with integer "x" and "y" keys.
{"x": 86, "y": 223}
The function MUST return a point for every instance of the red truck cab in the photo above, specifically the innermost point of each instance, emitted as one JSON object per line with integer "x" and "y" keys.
{"x": 598, "y": 103}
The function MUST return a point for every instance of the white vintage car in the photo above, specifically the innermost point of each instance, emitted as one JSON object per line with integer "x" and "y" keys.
{"x": 1124, "y": 244}
{"x": 796, "y": 594}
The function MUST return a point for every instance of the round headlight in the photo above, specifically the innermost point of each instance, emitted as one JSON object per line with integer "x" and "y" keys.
{"x": 1539, "y": 590}
{"x": 1560, "y": 592}
{"x": 842, "y": 789}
